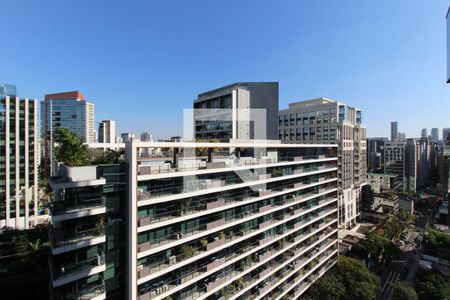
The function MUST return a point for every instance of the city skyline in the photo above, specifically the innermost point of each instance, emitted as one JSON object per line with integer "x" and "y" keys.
{"x": 169, "y": 60}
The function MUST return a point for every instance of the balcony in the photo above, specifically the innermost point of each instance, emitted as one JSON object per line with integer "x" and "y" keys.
{"x": 211, "y": 225}
{"x": 68, "y": 240}
{"x": 221, "y": 163}
{"x": 73, "y": 271}
{"x": 95, "y": 291}
{"x": 77, "y": 208}
{"x": 197, "y": 271}
{"x": 229, "y": 199}
{"x": 194, "y": 188}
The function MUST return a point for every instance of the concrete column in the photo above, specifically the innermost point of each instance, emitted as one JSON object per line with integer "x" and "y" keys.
{"x": 131, "y": 157}
{"x": 7, "y": 163}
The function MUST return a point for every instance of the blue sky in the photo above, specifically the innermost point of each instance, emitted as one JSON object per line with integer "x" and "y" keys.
{"x": 142, "y": 62}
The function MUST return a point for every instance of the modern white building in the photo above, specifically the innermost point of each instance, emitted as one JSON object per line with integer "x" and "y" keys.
{"x": 107, "y": 131}
{"x": 237, "y": 220}
{"x": 19, "y": 159}
{"x": 67, "y": 110}
{"x": 326, "y": 121}
{"x": 258, "y": 222}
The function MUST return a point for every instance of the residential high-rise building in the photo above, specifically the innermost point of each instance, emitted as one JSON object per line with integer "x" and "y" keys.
{"x": 146, "y": 137}
{"x": 417, "y": 157}
{"x": 445, "y": 134}
{"x": 88, "y": 232}
{"x": 424, "y": 133}
{"x": 232, "y": 111}
{"x": 127, "y": 137}
{"x": 107, "y": 131}
{"x": 67, "y": 110}
{"x": 435, "y": 134}
{"x": 394, "y": 162}
{"x": 19, "y": 159}
{"x": 325, "y": 121}
{"x": 401, "y": 137}
{"x": 375, "y": 154}
{"x": 265, "y": 216}
{"x": 394, "y": 131}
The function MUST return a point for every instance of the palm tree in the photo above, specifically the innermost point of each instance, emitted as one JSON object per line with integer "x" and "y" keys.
{"x": 35, "y": 246}
{"x": 116, "y": 154}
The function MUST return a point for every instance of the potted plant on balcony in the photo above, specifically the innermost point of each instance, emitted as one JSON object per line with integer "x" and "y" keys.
{"x": 238, "y": 283}
{"x": 227, "y": 292}
{"x": 203, "y": 243}
{"x": 185, "y": 204}
{"x": 188, "y": 251}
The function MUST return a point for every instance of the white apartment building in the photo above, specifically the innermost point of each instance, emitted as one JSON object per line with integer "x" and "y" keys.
{"x": 244, "y": 219}
{"x": 326, "y": 121}
{"x": 237, "y": 220}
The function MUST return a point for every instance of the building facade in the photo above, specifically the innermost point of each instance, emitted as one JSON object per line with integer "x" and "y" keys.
{"x": 417, "y": 164}
{"x": 230, "y": 112}
{"x": 424, "y": 133}
{"x": 67, "y": 110}
{"x": 87, "y": 233}
{"x": 326, "y": 121}
{"x": 445, "y": 134}
{"x": 375, "y": 154}
{"x": 394, "y": 162}
{"x": 107, "y": 131}
{"x": 259, "y": 222}
{"x": 19, "y": 159}
{"x": 146, "y": 137}
{"x": 435, "y": 134}
{"x": 394, "y": 131}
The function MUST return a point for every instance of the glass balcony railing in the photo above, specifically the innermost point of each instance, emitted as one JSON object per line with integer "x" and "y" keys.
{"x": 161, "y": 264}
{"x": 71, "y": 268}
{"x": 152, "y": 289}
{"x": 60, "y": 237}
{"x": 85, "y": 293}
{"x": 74, "y": 205}
{"x": 205, "y": 184}
{"x": 221, "y": 163}
{"x": 305, "y": 260}
{"x": 260, "y": 273}
{"x": 177, "y": 235}
{"x": 224, "y": 200}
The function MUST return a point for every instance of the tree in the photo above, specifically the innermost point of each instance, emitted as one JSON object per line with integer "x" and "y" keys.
{"x": 349, "y": 279}
{"x": 203, "y": 151}
{"x": 432, "y": 286}
{"x": 437, "y": 243}
{"x": 116, "y": 154}
{"x": 70, "y": 149}
{"x": 404, "y": 292}
{"x": 377, "y": 246}
{"x": 328, "y": 288}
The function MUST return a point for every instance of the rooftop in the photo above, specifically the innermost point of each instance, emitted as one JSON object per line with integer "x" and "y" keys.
{"x": 230, "y": 86}
{"x": 66, "y": 95}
